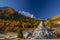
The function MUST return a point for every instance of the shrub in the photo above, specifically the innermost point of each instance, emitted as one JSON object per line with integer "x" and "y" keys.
{"x": 20, "y": 35}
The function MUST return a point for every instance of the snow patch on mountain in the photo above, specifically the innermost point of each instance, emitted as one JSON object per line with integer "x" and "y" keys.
{"x": 27, "y": 14}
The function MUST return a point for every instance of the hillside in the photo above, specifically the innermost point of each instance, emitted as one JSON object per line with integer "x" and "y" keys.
{"x": 56, "y": 17}
{"x": 10, "y": 20}
{"x": 54, "y": 21}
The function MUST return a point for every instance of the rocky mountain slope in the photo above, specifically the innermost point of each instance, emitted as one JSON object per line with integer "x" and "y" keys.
{"x": 10, "y": 20}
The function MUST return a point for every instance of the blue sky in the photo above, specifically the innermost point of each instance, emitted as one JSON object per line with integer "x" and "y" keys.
{"x": 40, "y": 8}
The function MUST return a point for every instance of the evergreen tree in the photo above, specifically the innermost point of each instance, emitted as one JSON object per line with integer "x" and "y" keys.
{"x": 20, "y": 35}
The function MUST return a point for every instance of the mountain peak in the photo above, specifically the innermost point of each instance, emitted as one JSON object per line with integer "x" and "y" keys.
{"x": 6, "y": 10}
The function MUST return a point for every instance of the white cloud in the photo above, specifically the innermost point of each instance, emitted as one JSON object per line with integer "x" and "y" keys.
{"x": 27, "y": 14}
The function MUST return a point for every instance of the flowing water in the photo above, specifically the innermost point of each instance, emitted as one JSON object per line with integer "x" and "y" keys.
{"x": 42, "y": 32}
